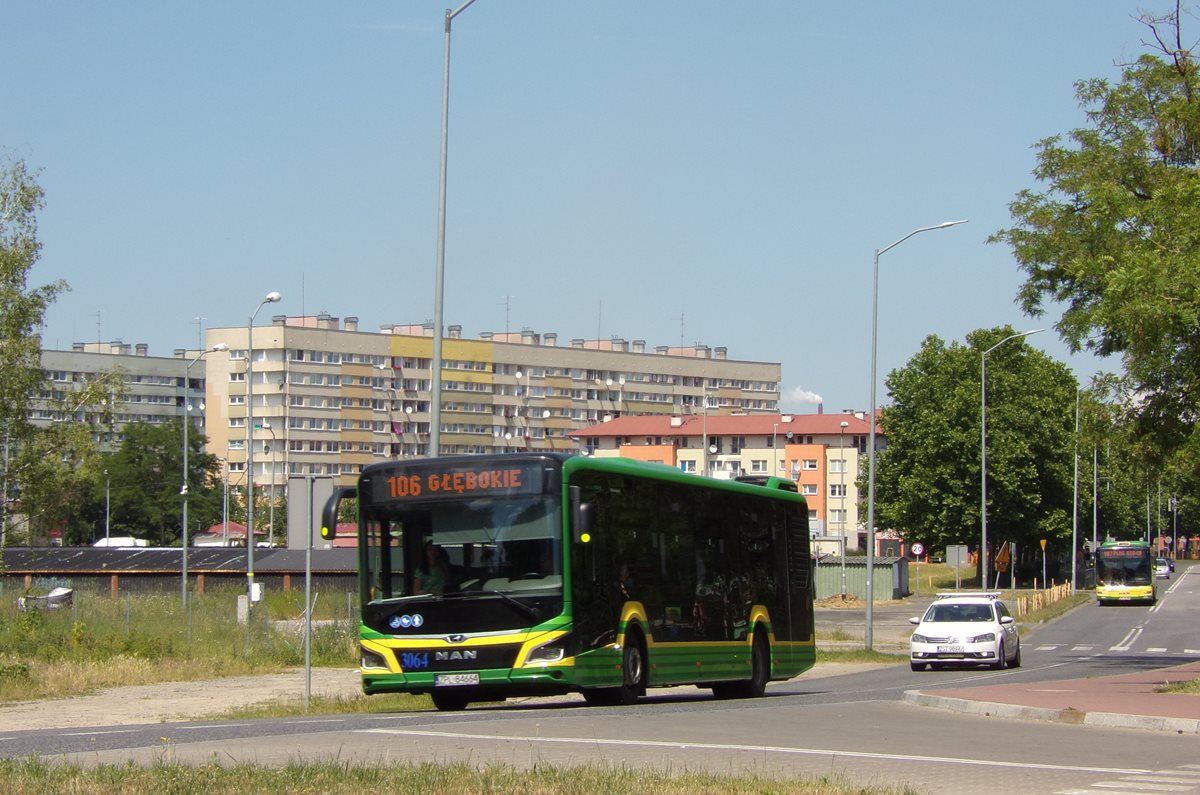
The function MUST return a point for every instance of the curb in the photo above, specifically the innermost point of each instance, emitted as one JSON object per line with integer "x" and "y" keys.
{"x": 1108, "y": 720}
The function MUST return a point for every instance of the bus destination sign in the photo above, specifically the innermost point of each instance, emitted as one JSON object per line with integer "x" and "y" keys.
{"x": 461, "y": 480}
{"x": 1123, "y": 552}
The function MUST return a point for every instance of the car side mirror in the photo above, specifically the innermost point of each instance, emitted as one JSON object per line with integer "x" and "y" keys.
{"x": 914, "y": 620}
{"x": 1007, "y": 619}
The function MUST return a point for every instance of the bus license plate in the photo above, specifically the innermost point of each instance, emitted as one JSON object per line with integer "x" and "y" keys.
{"x": 452, "y": 680}
{"x": 950, "y": 649}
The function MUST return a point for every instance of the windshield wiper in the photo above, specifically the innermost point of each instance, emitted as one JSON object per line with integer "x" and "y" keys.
{"x": 532, "y": 612}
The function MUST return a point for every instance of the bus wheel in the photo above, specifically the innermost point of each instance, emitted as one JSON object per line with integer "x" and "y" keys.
{"x": 760, "y": 672}
{"x": 449, "y": 701}
{"x": 633, "y": 673}
{"x": 633, "y": 667}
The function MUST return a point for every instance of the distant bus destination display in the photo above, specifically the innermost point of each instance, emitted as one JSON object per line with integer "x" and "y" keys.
{"x": 460, "y": 480}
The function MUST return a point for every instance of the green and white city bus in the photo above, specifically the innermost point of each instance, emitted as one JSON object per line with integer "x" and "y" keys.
{"x": 483, "y": 577}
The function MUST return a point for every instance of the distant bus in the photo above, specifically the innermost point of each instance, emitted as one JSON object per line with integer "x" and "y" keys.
{"x": 1125, "y": 573}
{"x": 484, "y": 577}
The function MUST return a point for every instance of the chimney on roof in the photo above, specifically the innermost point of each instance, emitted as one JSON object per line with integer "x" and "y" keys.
{"x": 454, "y": 332}
{"x": 820, "y": 408}
{"x": 141, "y": 349}
{"x": 577, "y": 343}
{"x": 351, "y": 324}
{"x": 550, "y": 339}
{"x": 619, "y": 344}
{"x": 662, "y": 350}
{"x": 528, "y": 337}
{"x": 639, "y": 346}
{"x": 278, "y": 320}
{"x": 486, "y": 335}
{"x": 722, "y": 353}
{"x": 78, "y": 347}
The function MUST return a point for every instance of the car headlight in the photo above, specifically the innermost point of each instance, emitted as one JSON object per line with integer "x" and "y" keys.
{"x": 919, "y": 638}
{"x": 985, "y": 638}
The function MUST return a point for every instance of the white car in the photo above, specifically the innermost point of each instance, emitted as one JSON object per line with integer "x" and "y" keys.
{"x": 1162, "y": 569}
{"x": 964, "y": 628}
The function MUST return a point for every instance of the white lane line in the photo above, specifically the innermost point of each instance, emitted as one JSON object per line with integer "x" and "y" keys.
{"x": 320, "y": 720}
{"x": 389, "y": 717}
{"x": 1128, "y": 640}
{"x": 90, "y": 734}
{"x": 210, "y": 726}
{"x": 1046, "y": 648}
{"x": 1191, "y": 651}
{"x": 1156, "y": 650}
{"x": 1082, "y": 648}
{"x": 1143, "y": 787}
{"x": 755, "y": 748}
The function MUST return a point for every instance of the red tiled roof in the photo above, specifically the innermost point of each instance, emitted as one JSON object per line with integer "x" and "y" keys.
{"x": 728, "y": 425}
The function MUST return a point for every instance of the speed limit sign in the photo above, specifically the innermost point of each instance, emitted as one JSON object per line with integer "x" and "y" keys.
{"x": 918, "y": 549}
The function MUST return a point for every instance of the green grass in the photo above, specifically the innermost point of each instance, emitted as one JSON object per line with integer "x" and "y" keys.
{"x": 29, "y": 776}
{"x": 104, "y": 642}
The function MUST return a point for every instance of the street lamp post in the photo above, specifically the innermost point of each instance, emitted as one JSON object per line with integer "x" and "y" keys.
{"x": 842, "y": 444}
{"x": 106, "y": 505}
{"x": 270, "y": 298}
{"x": 983, "y": 450}
{"x": 868, "y": 637}
{"x": 774, "y": 450}
{"x": 435, "y": 386}
{"x": 266, "y": 426}
{"x": 183, "y": 490}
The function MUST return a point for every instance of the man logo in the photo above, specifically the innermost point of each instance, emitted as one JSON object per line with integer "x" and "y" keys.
{"x": 443, "y": 656}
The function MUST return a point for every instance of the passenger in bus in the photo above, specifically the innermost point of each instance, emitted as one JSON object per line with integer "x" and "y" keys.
{"x": 435, "y": 575}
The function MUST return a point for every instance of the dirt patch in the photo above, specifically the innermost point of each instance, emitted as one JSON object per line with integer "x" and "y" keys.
{"x": 169, "y": 701}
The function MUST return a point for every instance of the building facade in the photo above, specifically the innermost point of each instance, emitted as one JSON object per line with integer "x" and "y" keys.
{"x": 153, "y": 387}
{"x": 821, "y": 452}
{"x": 316, "y": 396}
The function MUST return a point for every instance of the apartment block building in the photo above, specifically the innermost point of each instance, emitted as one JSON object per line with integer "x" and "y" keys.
{"x": 821, "y": 452}
{"x": 327, "y": 398}
{"x": 153, "y": 388}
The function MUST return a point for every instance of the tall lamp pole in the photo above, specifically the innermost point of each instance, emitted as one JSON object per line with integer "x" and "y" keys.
{"x": 271, "y": 298}
{"x": 439, "y": 280}
{"x": 266, "y": 426}
{"x": 842, "y": 444}
{"x": 868, "y": 638}
{"x": 183, "y": 490}
{"x": 983, "y": 547}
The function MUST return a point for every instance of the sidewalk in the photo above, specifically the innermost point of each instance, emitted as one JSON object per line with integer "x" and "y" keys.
{"x": 1127, "y": 701}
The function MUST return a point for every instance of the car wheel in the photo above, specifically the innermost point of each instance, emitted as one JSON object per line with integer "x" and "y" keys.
{"x": 1001, "y": 663}
{"x": 916, "y": 666}
{"x": 1016, "y": 661}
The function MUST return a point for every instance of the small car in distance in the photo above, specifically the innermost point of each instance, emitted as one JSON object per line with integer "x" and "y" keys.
{"x": 1163, "y": 569}
{"x": 964, "y": 628}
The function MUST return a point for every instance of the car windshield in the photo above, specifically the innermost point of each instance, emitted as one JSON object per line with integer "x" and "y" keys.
{"x": 958, "y": 613}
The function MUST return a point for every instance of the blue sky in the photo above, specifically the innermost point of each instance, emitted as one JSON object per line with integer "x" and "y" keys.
{"x": 697, "y": 171}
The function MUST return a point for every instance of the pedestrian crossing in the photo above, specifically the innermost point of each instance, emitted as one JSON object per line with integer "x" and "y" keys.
{"x": 1084, "y": 649}
{"x": 1185, "y": 778}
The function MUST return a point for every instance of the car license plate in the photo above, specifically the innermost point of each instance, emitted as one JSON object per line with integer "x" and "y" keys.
{"x": 950, "y": 649}
{"x": 452, "y": 680}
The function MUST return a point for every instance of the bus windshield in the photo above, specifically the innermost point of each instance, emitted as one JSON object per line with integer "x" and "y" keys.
{"x": 1123, "y": 567}
{"x": 459, "y": 547}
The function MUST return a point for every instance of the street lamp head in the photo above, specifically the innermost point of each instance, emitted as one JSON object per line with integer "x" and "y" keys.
{"x": 272, "y": 298}
{"x": 945, "y": 224}
{"x": 219, "y": 347}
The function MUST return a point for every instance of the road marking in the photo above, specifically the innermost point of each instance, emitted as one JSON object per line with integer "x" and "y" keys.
{"x": 1191, "y": 651}
{"x": 89, "y": 734}
{"x": 755, "y": 748}
{"x": 211, "y": 726}
{"x": 1046, "y": 648}
{"x": 1156, "y": 650}
{"x": 1140, "y": 785}
{"x": 1082, "y": 648}
{"x": 321, "y": 720}
{"x": 1128, "y": 640}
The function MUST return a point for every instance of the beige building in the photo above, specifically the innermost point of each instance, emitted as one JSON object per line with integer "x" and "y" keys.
{"x": 330, "y": 399}
{"x": 821, "y": 452}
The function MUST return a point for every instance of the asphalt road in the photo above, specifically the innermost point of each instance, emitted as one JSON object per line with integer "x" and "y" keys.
{"x": 853, "y": 725}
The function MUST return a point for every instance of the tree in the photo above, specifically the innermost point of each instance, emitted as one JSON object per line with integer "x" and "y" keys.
{"x": 145, "y": 479}
{"x": 928, "y": 477}
{"x": 1113, "y": 232}
{"x": 21, "y": 313}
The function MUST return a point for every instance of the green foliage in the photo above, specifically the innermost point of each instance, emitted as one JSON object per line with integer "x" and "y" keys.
{"x": 928, "y": 479}
{"x": 1112, "y": 233}
{"x": 146, "y": 474}
{"x": 22, "y": 310}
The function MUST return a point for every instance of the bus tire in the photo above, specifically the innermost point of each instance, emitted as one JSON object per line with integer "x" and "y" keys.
{"x": 633, "y": 674}
{"x": 448, "y": 701}
{"x": 760, "y": 672}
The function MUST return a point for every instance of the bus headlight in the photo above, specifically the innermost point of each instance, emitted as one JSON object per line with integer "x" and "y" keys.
{"x": 371, "y": 659}
{"x": 551, "y": 652}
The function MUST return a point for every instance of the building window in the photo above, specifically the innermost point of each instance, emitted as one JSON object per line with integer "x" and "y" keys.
{"x": 808, "y": 489}
{"x": 736, "y": 443}
{"x": 837, "y": 465}
{"x": 809, "y": 464}
{"x": 837, "y": 516}
{"x": 758, "y": 466}
{"x": 837, "y": 490}
{"x": 688, "y": 466}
